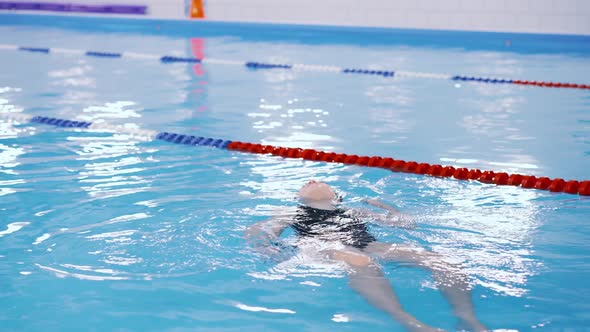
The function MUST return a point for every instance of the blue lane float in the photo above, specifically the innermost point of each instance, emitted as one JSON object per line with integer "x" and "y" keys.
{"x": 164, "y": 136}
{"x": 104, "y": 54}
{"x": 34, "y": 49}
{"x": 171, "y": 59}
{"x": 60, "y": 122}
{"x": 193, "y": 140}
{"x": 481, "y": 79}
{"x": 262, "y": 65}
{"x": 383, "y": 73}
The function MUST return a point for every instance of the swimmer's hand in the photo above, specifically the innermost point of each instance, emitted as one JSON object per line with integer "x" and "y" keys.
{"x": 271, "y": 252}
{"x": 264, "y": 244}
{"x": 377, "y": 203}
{"x": 264, "y": 237}
{"x": 260, "y": 244}
{"x": 393, "y": 217}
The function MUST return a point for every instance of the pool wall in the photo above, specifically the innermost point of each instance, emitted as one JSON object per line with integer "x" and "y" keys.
{"x": 522, "y": 16}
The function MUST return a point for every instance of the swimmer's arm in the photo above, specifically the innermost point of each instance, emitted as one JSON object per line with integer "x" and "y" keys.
{"x": 377, "y": 203}
{"x": 264, "y": 236}
{"x": 393, "y": 217}
{"x": 268, "y": 231}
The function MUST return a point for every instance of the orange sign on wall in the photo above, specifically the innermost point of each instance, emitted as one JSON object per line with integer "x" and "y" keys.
{"x": 197, "y": 9}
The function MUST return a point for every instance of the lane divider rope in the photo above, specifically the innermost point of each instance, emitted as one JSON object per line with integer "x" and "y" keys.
{"x": 299, "y": 67}
{"x": 395, "y": 165}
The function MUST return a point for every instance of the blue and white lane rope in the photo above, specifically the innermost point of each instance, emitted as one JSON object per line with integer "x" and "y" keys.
{"x": 142, "y": 134}
{"x": 298, "y": 67}
{"x": 148, "y": 135}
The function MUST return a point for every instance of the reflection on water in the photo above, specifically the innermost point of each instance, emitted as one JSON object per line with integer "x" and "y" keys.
{"x": 499, "y": 113}
{"x": 112, "y": 178}
{"x": 79, "y": 76}
{"x": 392, "y": 105}
{"x": 118, "y": 109}
{"x": 489, "y": 230}
{"x": 13, "y": 227}
{"x": 107, "y": 275}
{"x": 9, "y": 154}
{"x": 263, "y": 309}
{"x": 298, "y": 124}
{"x": 284, "y": 178}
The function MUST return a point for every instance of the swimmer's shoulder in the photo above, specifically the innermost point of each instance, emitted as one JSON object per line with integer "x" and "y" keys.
{"x": 285, "y": 213}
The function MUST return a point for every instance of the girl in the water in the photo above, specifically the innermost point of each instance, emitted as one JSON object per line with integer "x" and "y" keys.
{"x": 320, "y": 217}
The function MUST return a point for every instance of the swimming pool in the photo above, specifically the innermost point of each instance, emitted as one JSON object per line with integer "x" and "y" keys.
{"x": 107, "y": 231}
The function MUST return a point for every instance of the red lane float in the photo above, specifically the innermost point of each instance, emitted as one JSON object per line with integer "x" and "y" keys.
{"x": 397, "y": 165}
{"x": 552, "y": 84}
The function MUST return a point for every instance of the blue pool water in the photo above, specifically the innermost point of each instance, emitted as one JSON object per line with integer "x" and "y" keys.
{"x": 107, "y": 232}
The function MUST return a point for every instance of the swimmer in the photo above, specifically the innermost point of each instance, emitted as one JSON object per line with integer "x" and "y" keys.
{"x": 320, "y": 216}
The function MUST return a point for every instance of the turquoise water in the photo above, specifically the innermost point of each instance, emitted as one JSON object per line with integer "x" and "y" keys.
{"x": 107, "y": 232}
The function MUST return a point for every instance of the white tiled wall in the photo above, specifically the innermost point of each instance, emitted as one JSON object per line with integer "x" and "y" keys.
{"x": 167, "y": 9}
{"x": 541, "y": 16}
{"x": 537, "y": 16}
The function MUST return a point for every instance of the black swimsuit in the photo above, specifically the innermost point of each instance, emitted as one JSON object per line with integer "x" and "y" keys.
{"x": 332, "y": 225}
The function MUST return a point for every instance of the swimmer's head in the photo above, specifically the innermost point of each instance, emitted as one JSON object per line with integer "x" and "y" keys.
{"x": 317, "y": 193}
